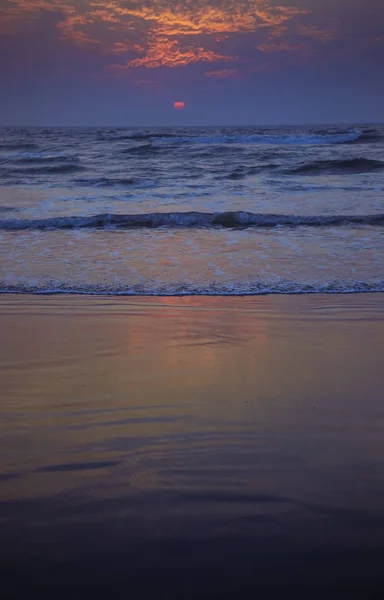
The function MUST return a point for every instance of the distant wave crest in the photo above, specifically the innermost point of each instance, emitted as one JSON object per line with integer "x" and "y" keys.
{"x": 315, "y": 137}
{"x": 339, "y": 167}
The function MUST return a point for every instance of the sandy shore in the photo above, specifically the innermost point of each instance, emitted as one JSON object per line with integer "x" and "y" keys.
{"x": 173, "y": 439}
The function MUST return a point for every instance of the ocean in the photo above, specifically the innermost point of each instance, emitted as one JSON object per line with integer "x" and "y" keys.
{"x": 192, "y": 211}
{"x": 196, "y": 443}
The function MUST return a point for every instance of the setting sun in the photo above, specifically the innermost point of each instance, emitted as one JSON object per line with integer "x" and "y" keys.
{"x": 179, "y": 105}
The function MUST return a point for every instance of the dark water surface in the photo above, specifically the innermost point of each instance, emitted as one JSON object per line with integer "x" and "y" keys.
{"x": 192, "y": 447}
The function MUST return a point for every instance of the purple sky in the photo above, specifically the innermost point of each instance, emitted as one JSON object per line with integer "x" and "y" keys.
{"x": 125, "y": 62}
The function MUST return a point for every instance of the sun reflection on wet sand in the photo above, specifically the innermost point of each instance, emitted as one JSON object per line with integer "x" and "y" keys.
{"x": 183, "y": 417}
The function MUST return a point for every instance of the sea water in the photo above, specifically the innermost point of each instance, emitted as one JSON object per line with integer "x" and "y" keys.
{"x": 178, "y": 211}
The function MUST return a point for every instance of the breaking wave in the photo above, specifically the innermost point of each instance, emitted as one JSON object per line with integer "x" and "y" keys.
{"x": 368, "y": 136}
{"x": 231, "y": 219}
{"x": 256, "y": 288}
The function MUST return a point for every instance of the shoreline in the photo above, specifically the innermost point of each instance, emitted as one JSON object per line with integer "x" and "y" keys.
{"x": 114, "y": 294}
{"x": 121, "y": 295}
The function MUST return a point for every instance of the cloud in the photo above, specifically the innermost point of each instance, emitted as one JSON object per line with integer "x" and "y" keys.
{"x": 230, "y": 34}
{"x": 186, "y": 17}
{"x": 223, "y": 73}
{"x": 271, "y": 46}
{"x": 319, "y": 35}
{"x": 168, "y": 32}
{"x": 163, "y": 52}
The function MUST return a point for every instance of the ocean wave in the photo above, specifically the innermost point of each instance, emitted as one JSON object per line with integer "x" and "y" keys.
{"x": 215, "y": 150}
{"x": 8, "y": 209}
{"x": 230, "y": 219}
{"x": 242, "y": 172}
{"x": 141, "y": 137}
{"x": 287, "y": 139}
{"x": 255, "y": 288}
{"x": 278, "y": 138}
{"x": 46, "y": 170}
{"x": 320, "y": 137}
{"x": 368, "y": 136}
{"x": 43, "y": 160}
{"x": 339, "y": 167}
{"x": 149, "y": 136}
{"x": 235, "y": 175}
{"x": 111, "y": 182}
{"x": 18, "y": 146}
{"x": 142, "y": 149}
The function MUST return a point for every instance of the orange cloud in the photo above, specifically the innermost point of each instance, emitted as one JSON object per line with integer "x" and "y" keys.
{"x": 164, "y": 31}
{"x": 319, "y": 35}
{"x": 163, "y": 52}
{"x": 182, "y": 17}
{"x": 223, "y": 73}
{"x": 271, "y": 46}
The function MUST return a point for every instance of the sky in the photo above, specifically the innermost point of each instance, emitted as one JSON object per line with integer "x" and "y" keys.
{"x": 232, "y": 62}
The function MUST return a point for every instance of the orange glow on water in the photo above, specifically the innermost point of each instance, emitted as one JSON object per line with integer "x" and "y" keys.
{"x": 179, "y": 105}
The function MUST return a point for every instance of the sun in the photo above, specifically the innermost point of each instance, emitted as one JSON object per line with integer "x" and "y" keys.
{"x": 179, "y": 105}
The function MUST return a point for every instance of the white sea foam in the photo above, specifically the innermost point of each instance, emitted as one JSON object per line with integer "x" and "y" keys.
{"x": 187, "y": 289}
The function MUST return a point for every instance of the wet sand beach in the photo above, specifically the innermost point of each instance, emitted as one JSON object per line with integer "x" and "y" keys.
{"x": 192, "y": 447}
